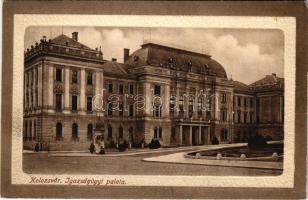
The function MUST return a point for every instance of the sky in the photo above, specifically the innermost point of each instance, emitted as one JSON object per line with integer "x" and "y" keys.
{"x": 246, "y": 54}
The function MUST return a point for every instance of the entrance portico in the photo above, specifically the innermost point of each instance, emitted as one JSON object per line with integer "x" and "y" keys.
{"x": 191, "y": 134}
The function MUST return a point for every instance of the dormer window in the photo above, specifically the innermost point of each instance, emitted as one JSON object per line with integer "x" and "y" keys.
{"x": 136, "y": 58}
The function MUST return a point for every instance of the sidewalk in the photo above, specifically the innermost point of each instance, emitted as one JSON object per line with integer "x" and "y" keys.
{"x": 131, "y": 151}
{"x": 179, "y": 158}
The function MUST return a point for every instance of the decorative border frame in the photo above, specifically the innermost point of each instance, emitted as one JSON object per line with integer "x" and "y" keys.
{"x": 11, "y": 123}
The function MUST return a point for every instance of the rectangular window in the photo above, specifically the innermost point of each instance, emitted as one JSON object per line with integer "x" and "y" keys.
{"x": 251, "y": 102}
{"x": 110, "y": 88}
{"x": 74, "y": 76}
{"x": 131, "y": 89}
{"x": 58, "y": 102}
{"x": 59, "y": 74}
{"x": 36, "y": 76}
{"x": 121, "y": 110}
{"x": 157, "y": 90}
{"x": 238, "y": 116}
{"x": 245, "y": 102}
{"x": 224, "y": 98}
{"x": 89, "y": 78}
{"x": 251, "y": 117}
{"x": 74, "y": 103}
{"x": 121, "y": 89}
{"x": 245, "y": 117}
{"x": 89, "y": 104}
{"x": 131, "y": 110}
{"x": 238, "y": 101}
{"x": 110, "y": 110}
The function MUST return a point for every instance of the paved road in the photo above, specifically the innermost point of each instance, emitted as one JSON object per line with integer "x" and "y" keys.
{"x": 133, "y": 165}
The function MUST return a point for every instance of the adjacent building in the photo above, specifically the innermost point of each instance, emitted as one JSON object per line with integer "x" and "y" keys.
{"x": 176, "y": 96}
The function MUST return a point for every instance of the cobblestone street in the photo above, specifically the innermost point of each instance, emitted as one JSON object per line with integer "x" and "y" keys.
{"x": 132, "y": 165}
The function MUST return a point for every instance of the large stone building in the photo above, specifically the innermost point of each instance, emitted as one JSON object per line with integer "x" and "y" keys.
{"x": 177, "y": 96}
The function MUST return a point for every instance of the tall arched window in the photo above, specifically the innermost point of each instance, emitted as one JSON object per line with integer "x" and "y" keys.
{"x": 173, "y": 133}
{"x": 26, "y": 130}
{"x": 90, "y": 132}
{"x": 34, "y": 130}
{"x": 131, "y": 134}
{"x": 74, "y": 132}
{"x": 58, "y": 131}
{"x": 109, "y": 132}
{"x": 30, "y": 130}
{"x": 160, "y": 132}
{"x": 155, "y": 132}
{"x": 120, "y": 132}
{"x": 224, "y": 134}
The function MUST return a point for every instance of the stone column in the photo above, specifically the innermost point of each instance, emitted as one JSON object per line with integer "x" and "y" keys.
{"x": 270, "y": 109}
{"x": 200, "y": 132}
{"x": 25, "y": 91}
{"x": 196, "y": 105}
{"x": 147, "y": 92}
{"x": 181, "y": 135}
{"x": 29, "y": 89}
{"x": 280, "y": 109}
{"x": 190, "y": 135}
{"x": 208, "y": 135}
{"x": 34, "y": 86}
{"x": 39, "y": 87}
{"x": 66, "y": 90}
{"x": 82, "y": 91}
{"x": 217, "y": 110}
{"x": 166, "y": 98}
{"x": 177, "y": 108}
{"x": 50, "y": 88}
{"x": 186, "y": 104}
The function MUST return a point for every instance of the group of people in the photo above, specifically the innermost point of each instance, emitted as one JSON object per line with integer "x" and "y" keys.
{"x": 98, "y": 149}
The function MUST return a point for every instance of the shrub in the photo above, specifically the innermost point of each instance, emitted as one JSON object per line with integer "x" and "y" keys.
{"x": 215, "y": 140}
{"x": 268, "y": 138}
{"x": 112, "y": 144}
{"x": 123, "y": 146}
{"x": 258, "y": 142}
{"x": 154, "y": 144}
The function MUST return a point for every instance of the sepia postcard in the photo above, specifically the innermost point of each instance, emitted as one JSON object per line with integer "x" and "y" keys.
{"x": 100, "y": 102}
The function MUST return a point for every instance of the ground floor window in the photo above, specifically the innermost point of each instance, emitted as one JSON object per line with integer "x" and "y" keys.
{"x": 26, "y": 131}
{"x": 30, "y": 130}
{"x": 58, "y": 131}
{"x": 160, "y": 132}
{"x": 224, "y": 134}
{"x": 131, "y": 134}
{"x": 173, "y": 133}
{"x": 74, "y": 132}
{"x": 90, "y": 132}
{"x": 109, "y": 132}
{"x": 155, "y": 132}
{"x": 34, "y": 130}
{"x": 120, "y": 132}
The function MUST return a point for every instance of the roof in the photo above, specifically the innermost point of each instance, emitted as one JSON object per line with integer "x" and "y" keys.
{"x": 240, "y": 86}
{"x": 164, "y": 56}
{"x": 112, "y": 67}
{"x": 67, "y": 41}
{"x": 268, "y": 80}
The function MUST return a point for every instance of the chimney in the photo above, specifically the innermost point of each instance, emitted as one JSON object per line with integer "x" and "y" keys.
{"x": 75, "y": 36}
{"x": 114, "y": 59}
{"x": 126, "y": 54}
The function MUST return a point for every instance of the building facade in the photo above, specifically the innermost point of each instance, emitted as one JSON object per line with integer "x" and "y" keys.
{"x": 176, "y": 96}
